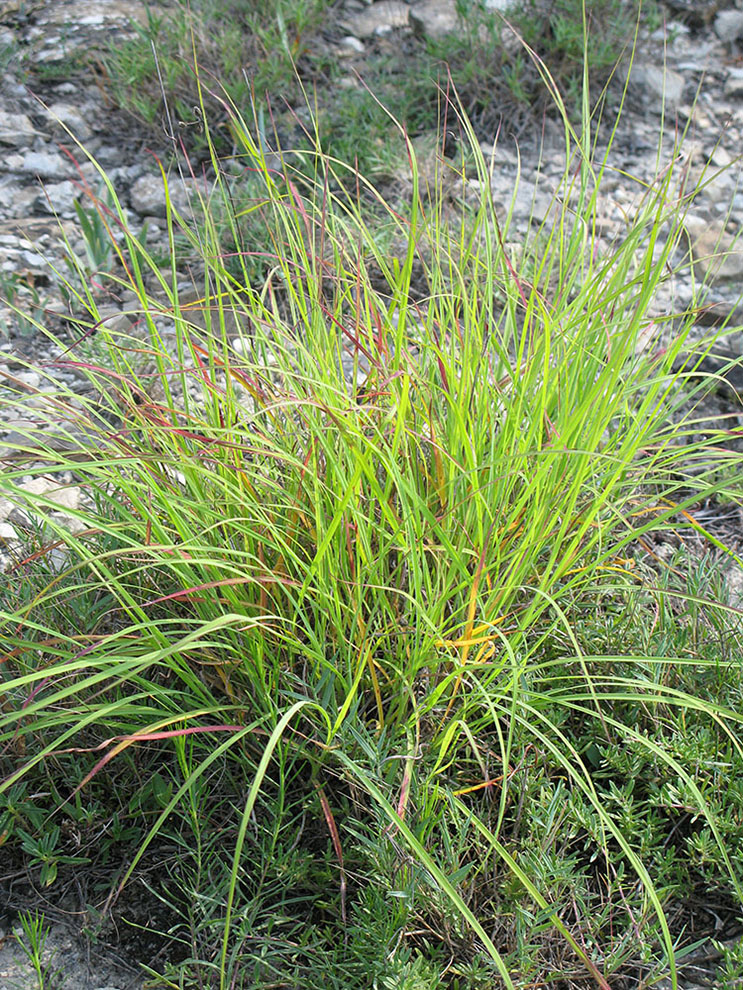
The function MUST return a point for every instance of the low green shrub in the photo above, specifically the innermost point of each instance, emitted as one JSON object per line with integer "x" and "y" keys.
{"x": 250, "y": 48}
{"x": 270, "y": 53}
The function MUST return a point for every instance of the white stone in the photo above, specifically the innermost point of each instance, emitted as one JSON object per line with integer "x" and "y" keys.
{"x": 147, "y": 195}
{"x": 35, "y": 261}
{"x": 351, "y": 45}
{"x": 718, "y": 188}
{"x": 57, "y": 197}
{"x": 383, "y": 14}
{"x": 7, "y": 532}
{"x": 72, "y": 118}
{"x": 45, "y": 164}
{"x": 729, "y": 25}
{"x": 8, "y": 509}
{"x": 721, "y": 157}
{"x": 68, "y": 497}
{"x": 671, "y": 30}
{"x": 31, "y": 379}
{"x": 73, "y": 524}
{"x": 434, "y": 18}
{"x": 114, "y": 319}
{"x": 56, "y": 558}
{"x": 504, "y": 153}
{"x": 12, "y": 162}
{"x": 717, "y": 255}
{"x": 660, "y": 86}
{"x": 16, "y": 129}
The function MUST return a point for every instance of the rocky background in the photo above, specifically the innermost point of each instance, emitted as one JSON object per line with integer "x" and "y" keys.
{"x": 688, "y": 75}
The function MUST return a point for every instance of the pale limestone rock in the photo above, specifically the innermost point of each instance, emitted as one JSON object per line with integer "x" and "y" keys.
{"x": 147, "y": 195}
{"x": 31, "y": 379}
{"x": 66, "y": 496}
{"x": 660, "y": 87}
{"x": 380, "y": 18}
{"x": 114, "y": 319}
{"x": 729, "y": 25}
{"x": 7, "y": 532}
{"x": 434, "y": 18}
{"x": 717, "y": 254}
{"x": 46, "y": 164}
{"x": 71, "y": 117}
{"x": 350, "y": 46}
{"x": 71, "y": 524}
{"x": 16, "y": 129}
{"x": 57, "y": 197}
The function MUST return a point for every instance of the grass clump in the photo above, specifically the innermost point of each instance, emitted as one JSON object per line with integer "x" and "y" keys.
{"x": 360, "y": 550}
